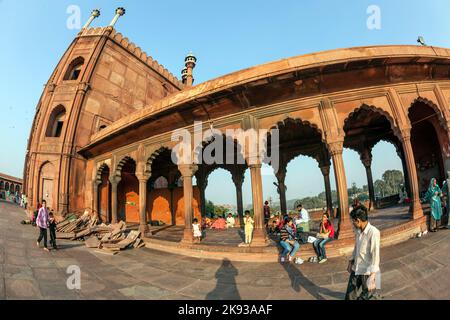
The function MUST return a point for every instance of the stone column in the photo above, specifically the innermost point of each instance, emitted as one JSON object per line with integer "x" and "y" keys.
{"x": 114, "y": 182}
{"x": 326, "y": 178}
{"x": 416, "y": 207}
{"x": 143, "y": 225}
{"x": 401, "y": 155}
{"x": 187, "y": 171}
{"x": 281, "y": 175}
{"x": 238, "y": 179}
{"x": 202, "y": 183}
{"x": 95, "y": 198}
{"x": 259, "y": 231}
{"x": 345, "y": 227}
{"x": 366, "y": 159}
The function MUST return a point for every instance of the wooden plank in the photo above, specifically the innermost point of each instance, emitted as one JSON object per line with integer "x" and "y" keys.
{"x": 83, "y": 233}
{"x": 105, "y": 251}
{"x": 92, "y": 242}
{"x": 65, "y": 235}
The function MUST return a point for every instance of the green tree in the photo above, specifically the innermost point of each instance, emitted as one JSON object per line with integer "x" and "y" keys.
{"x": 209, "y": 208}
{"x": 379, "y": 187}
{"x": 393, "y": 179}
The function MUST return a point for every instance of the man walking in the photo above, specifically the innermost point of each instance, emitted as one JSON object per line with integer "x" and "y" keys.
{"x": 364, "y": 266}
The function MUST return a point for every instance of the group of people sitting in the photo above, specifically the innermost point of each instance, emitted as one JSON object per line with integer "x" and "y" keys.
{"x": 295, "y": 230}
{"x": 219, "y": 224}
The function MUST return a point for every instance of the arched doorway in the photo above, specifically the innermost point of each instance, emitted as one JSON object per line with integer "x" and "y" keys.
{"x": 128, "y": 192}
{"x": 428, "y": 138}
{"x": 300, "y": 138}
{"x": 104, "y": 195}
{"x": 161, "y": 188}
{"x": 47, "y": 185}
{"x": 159, "y": 203}
{"x": 364, "y": 128}
{"x": 223, "y": 198}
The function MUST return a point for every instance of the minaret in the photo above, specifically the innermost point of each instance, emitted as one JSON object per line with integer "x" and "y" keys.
{"x": 190, "y": 61}
{"x": 94, "y": 14}
{"x": 184, "y": 75}
{"x": 119, "y": 12}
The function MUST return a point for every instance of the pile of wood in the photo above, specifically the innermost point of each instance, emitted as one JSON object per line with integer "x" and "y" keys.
{"x": 106, "y": 238}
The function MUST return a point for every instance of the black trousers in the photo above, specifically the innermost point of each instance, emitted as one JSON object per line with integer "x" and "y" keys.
{"x": 357, "y": 289}
{"x": 52, "y": 237}
{"x": 43, "y": 234}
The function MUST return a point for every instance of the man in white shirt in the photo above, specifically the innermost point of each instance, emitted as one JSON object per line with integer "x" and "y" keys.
{"x": 230, "y": 221}
{"x": 302, "y": 222}
{"x": 364, "y": 265}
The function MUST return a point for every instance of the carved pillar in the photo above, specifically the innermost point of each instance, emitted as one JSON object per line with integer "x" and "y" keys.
{"x": 187, "y": 171}
{"x": 143, "y": 225}
{"x": 401, "y": 155}
{"x": 416, "y": 207}
{"x": 281, "y": 176}
{"x": 259, "y": 231}
{"x": 114, "y": 182}
{"x": 202, "y": 183}
{"x": 238, "y": 179}
{"x": 172, "y": 185}
{"x": 95, "y": 198}
{"x": 326, "y": 178}
{"x": 366, "y": 159}
{"x": 345, "y": 227}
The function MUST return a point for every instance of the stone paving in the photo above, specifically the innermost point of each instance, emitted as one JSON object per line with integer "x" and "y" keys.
{"x": 416, "y": 269}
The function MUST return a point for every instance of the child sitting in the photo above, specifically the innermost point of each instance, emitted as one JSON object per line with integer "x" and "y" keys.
{"x": 230, "y": 221}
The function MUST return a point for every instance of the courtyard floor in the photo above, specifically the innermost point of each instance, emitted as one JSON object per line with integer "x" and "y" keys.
{"x": 416, "y": 269}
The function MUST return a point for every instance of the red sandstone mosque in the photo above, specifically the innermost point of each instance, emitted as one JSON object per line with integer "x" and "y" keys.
{"x": 101, "y": 136}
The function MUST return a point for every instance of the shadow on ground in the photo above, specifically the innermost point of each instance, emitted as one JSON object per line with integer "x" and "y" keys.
{"x": 226, "y": 287}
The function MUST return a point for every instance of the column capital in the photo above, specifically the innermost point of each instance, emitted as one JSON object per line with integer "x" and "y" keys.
{"x": 405, "y": 133}
{"x": 51, "y": 87}
{"x": 114, "y": 179}
{"x": 253, "y": 160}
{"x": 202, "y": 182}
{"x": 143, "y": 177}
{"x": 281, "y": 174}
{"x": 238, "y": 179}
{"x": 325, "y": 170}
{"x": 335, "y": 147}
{"x": 187, "y": 170}
{"x": 366, "y": 158}
{"x": 83, "y": 87}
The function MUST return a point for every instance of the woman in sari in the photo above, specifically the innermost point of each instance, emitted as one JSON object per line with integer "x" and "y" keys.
{"x": 433, "y": 196}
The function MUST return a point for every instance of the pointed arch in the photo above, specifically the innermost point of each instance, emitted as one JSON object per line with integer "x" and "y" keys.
{"x": 73, "y": 70}
{"x": 431, "y": 104}
{"x": 122, "y": 163}
{"x": 56, "y": 121}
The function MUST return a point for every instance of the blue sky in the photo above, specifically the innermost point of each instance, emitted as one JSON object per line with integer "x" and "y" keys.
{"x": 225, "y": 36}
